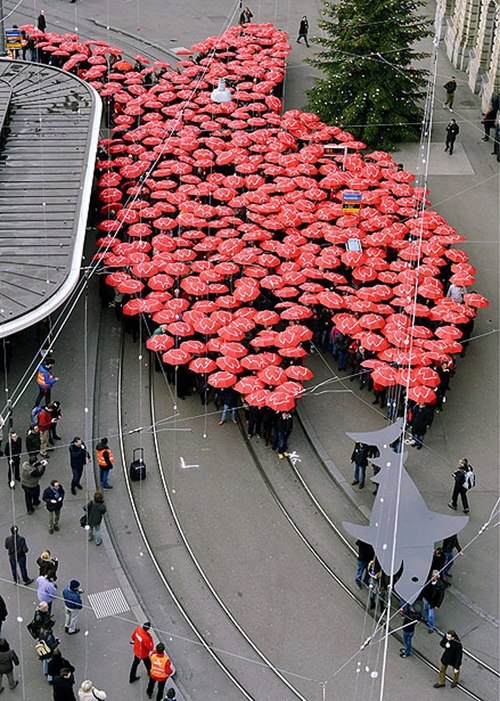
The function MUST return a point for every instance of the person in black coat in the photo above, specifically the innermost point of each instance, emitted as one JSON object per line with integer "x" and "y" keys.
{"x": 365, "y": 555}
{"x": 432, "y": 595}
{"x": 359, "y": 457}
{"x": 451, "y": 657}
{"x": 283, "y": 429}
{"x": 56, "y": 664}
{"x": 62, "y": 686}
{"x": 449, "y": 545}
{"x": 53, "y": 496}
{"x": 230, "y": 401}
{"x": 421, "y": 419}
{"x": 303, "y": 30}
{"x": 13, "y": 449}
{"x": 78, "y": 456}
{"x": 459, "y": 488}
{"x": 452, "y": 131}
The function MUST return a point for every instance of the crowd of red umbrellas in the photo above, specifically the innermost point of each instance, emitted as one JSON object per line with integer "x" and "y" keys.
{"x": 226, "y": 223}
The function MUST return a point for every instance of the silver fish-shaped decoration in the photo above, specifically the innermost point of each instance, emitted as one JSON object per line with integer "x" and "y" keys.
{"x": 402, "y": 529}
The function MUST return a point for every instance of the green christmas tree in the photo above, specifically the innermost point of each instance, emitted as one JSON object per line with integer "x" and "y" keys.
{"x": 372, "y": 86}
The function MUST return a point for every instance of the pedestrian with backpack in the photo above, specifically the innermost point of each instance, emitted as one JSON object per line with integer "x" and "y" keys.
{"x": 465, "y": 479}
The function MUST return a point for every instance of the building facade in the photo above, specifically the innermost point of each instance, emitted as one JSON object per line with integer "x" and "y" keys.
{"x": 472, "y": 38}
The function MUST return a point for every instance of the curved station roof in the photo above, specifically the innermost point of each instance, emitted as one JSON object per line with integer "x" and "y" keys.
{"x": 49, "y": 130}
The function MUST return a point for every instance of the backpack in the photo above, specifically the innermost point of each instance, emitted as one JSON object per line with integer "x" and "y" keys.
{"x": 43, "y": 650}
{"x": 34, "y": 415}
{"x": 470, "y": 479}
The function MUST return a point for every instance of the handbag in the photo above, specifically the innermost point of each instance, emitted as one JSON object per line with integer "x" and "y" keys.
{"x": 43, "y": 650}
{"x": 33, "y": 629}
{"x": 84, "y": 521}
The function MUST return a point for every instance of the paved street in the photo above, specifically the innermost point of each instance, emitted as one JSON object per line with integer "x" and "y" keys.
{"x": 268, "y": 577}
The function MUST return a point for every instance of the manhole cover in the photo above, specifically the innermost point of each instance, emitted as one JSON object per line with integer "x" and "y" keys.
{"x": 108, "y": 603}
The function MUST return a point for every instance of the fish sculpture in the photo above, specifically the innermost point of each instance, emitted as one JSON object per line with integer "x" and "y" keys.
{"x": 402, "y": 529}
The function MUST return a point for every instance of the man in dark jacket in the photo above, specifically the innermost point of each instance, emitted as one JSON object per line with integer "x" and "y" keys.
{"x": 13, "y": 449}
{"x": 53, "y": 496}
{"x": 452, "y": 131}
{"x": 432, "y": 595}
{"x": 17, "y": 548}
{"x": 421, "y": 419}
{"x": 365, "y": 556}
{"x": 449, "y": 545}
{"x": 62, "y": 686}
{"x": 360, "y": 459}
{"x": 78, "y": 456}
{"x": 284, "y": 428}
{"x": 33, "y": 441}
{"x": 41, "y": 22}
{"x": 451, "y": 657}
{"x": 56, "y": 664}
{"x": 31, "y": 473}
{"x": 460, "y": 488}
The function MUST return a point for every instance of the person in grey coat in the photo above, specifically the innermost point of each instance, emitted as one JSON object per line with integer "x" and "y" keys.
{"x": 96, "y": 508}
{"x": 8, "y": 659}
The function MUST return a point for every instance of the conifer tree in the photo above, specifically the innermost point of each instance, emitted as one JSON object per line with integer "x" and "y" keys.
{"x": 372, "y": 86}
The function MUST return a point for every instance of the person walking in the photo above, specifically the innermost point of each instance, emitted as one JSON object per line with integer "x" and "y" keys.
{"x": 45, "y": 418}
{"x": 143, "y": 643}
{"x": 8, "y": 659}
{"x": 31, "y": 473}
{"x": 45, "y": 378}
{"x": 72, "y": 596}
{"x": 3, "y": 613}
{"x": 17, "y": 548}
{"x": 41, "y": 22}
{"x": 488, "y": 122}
{"x": 96, "y": 508}
{"x": 56, "y": 411}
{"x": 452, "y": 131}
{"x": 303, "y": 30}
{"x": 78, "y": 458}
{"x": 460, "y": 487}
{"x": 450, "y": 88}
{"x": 451, "y": 657}
{"x": 359, "y": 457}
{"x": 161, "y": 670}
{"x": 12, "y": 450}
{"x": 432, "y": 596}
{"x": 42, "y": 618}
{"x": 62, "y": 686}
{"x": 449, "y": 545}
{"x": 246, "y": 16}
{"x": 47, "y": 636}
{"x": 105, "y": 460}
{"x": 89, "y": 692}
{"x": 410, "y": 620}
{"x": 421, "y": 419}
{"x": 46, "y": 590}
{"x": 283, "y": 430}
{"x": 53, "y": 496}
{"x": 365, "y": 555}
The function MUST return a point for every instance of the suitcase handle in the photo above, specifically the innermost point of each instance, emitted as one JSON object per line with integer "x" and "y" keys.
{"x": 138, "y": 451}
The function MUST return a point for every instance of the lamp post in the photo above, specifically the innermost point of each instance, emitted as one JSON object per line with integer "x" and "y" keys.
{"x": 3, "y": 51}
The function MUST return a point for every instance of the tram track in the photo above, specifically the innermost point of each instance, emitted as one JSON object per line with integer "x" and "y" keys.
{"x": 422, "y": 658}
{"x": 254, "y": 653}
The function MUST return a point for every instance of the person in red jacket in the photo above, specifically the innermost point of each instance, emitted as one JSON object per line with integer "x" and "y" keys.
{"x": 45, "y": 420}
{"x": 161, "y": 670}
{"x": 142, "y": 641}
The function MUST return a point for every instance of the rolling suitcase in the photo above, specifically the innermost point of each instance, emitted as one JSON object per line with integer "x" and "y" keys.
{"x": 137, "y": 466}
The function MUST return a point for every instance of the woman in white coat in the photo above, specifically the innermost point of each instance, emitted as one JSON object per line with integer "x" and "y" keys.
{"x": 88, "y": 692}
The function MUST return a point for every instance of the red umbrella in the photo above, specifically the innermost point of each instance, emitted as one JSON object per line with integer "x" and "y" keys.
{"x": 229, "y": 364}
{"x": 422, "y": 395}
{"x": 233, "y": 350}
{"x": 222, "y": 379}
{"x": 371, "y": 321}
{"x": 272, "y": 375}
{"x": 180, "y": 328}
{"x": 260, "y": 361}
{"x": 299, "y": 372}
{"x": 160, "y": 342}
{"x": 130, "y": 286}
{"x": 176, "y": 356}
{"x": 385, "y": 375}
{"x": 258, "y": 398}
{"x": 448, "y": 332}
{"x": 294, "y": 335}
{"x": 424, "y": 376}
{"x": 280, "y": 401}
{"x": 332, "y": 300}
{"x": 296, "y": 312}
{"x": 292, "y": 352}
{"x": 462, "y": 279}
{"x": 231, "y": 333}
{"x": 248, "y": 384}
{"x": 473, "y": 299}
{"x": 372, "y": 341}
{"x": 193, "y": 346}
{"x": 202, "y": 366}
